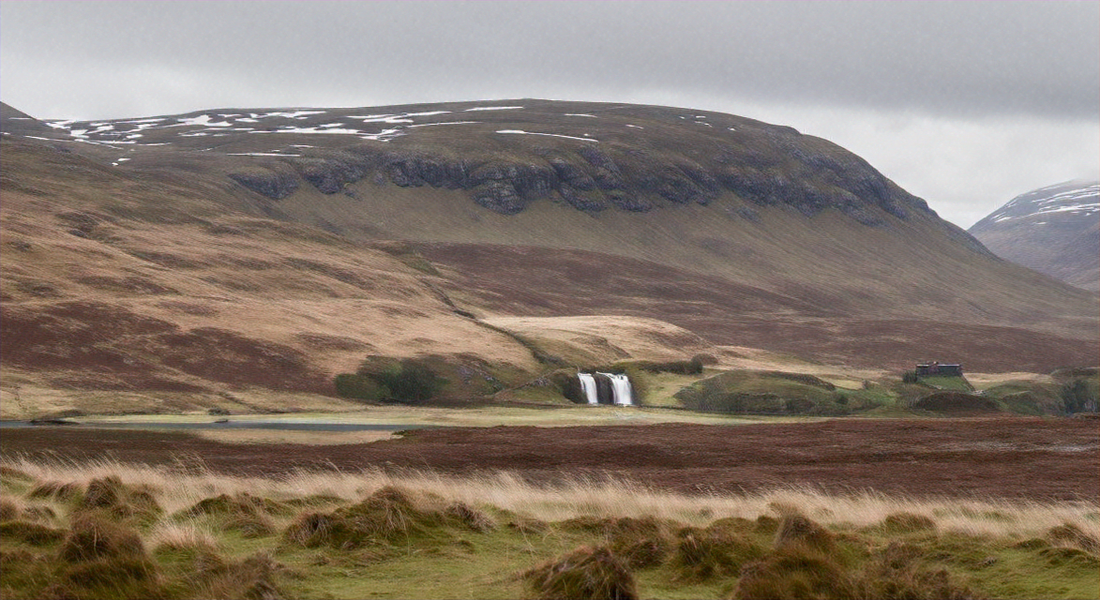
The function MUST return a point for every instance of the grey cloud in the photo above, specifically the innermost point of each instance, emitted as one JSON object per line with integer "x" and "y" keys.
{"x": 944, "y": 58}
{"x": 964, "y": 103}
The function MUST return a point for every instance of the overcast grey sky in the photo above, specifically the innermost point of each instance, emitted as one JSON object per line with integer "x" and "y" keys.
{"x": 965, "y": 104}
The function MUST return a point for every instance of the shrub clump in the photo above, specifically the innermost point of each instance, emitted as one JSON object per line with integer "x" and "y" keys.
{"x": 357, "y": 387}
{"x": 587, "y": 573}
{"x": 409, "y": 381}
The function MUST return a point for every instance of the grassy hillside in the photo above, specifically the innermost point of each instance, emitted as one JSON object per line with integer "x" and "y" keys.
{"x": 189, "y": 255}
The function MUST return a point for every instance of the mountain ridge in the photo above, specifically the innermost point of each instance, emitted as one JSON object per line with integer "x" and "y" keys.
{"x": 621, "y": 165}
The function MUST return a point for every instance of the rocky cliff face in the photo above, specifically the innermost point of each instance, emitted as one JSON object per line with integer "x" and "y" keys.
{"x": 592, "y": 179}
{"x": 593, "y": 157}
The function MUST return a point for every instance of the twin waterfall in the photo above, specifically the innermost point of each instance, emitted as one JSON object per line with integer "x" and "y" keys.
{"x": 607, "y": 388}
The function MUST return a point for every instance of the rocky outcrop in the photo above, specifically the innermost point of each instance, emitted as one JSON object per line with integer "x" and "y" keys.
{"x": 274, "y": 184}
{"x": 769, "y": 166}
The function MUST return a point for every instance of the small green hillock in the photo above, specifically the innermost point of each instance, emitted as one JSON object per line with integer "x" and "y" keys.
{"x": 776, "y": 393}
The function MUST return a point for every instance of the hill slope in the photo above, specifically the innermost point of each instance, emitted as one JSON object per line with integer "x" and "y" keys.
{"x": 277, "y": 247}
{"x": 1054, "y": 230}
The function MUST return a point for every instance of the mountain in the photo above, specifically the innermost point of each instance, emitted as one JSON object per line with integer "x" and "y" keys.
{"x": 18, "y": 123}
{"x": 1054, "y": 230}
{"x": 233, "y": 249}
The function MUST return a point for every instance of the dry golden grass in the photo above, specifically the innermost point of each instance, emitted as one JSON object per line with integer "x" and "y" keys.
{"x": 598, "y": 498}
{"x": 607, "y": 338}
{"x": 180, "y": 536}
{"x": 987, "y": 380}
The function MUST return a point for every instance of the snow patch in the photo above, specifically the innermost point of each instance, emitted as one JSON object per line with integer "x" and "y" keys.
{"x": 443, "y": 123}
{"x": 288, "y": 114}
{"x": 260, "y": 154}
{"x": 493, "y": 108}
{"x": 203, "y": 120}
{"x": 557, "y": 135}
{"x": 331, "y": 130}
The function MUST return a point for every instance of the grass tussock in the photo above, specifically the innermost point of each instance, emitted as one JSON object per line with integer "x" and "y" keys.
{"x": 641, "y": 543}
{"x": 1074, "y": 535}
{"x": 175, "y": 537}
{"x": 13, "y": 476}
{"x": 103, "y": 558}
{"x": 55, "y": 490}
{"x": 388, "y": 517}
{"x": 87, "y": 532}
{"x": 587, "y": 573}
{"x": 111, "y": 496}
{"x": 10, "y": 508}
{"x": 808, "y": 562}
{"x": 795, "y": 573}
{"x": 718, "y": 550}
{"x": 797, "y": 530}
{"x": 253, "y": 578}
{"x": 905, "y": 522}
{"x": 95, "y": 536}
{"x": 30, "y": 533}
{"x": 243, "y": 512}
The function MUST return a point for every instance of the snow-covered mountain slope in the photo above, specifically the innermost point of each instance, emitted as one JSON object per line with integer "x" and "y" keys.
{"x": 1054, "y": 229}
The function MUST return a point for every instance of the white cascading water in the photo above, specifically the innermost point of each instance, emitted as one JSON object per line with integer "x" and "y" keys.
{"x": 624, "y": 394}
{"x": 621, "y": 392}
{"x": 588, "y": 384}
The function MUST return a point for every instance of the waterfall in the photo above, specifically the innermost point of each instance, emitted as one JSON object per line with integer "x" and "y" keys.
{"x": 624, "y": 394}
{"x": 588, "y": 385}
{"x": 621, "y": 392}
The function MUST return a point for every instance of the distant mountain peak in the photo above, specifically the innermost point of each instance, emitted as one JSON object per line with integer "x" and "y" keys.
{"x": 1075, "y": 198}
{"x": 1054, "y": 229}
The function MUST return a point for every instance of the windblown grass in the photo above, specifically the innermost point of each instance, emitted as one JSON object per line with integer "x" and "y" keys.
{"x": 580, "y": 496}
{"x": 120, "y": 530}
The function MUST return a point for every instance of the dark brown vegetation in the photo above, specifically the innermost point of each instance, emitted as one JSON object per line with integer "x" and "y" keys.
{"x": 1011, "y": 457}
{"x": 956, "y": 403}
{"x": 807, "y": 322}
